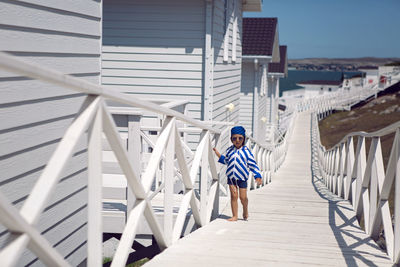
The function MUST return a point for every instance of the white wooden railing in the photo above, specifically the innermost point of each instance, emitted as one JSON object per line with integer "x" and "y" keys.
{"x": 364, "y": 181}
{"x": 96, "y": 119}
{"x": 342, "y": 99}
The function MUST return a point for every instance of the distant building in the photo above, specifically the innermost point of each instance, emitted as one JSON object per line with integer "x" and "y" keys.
{"x": 315, "y": 88}
{"x": 354, "y": 82}
{"x": 371, "y": 74}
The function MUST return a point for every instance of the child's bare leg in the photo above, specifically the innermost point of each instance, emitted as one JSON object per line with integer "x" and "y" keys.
{"x": 234, "y": 202}
{"x": 245, "y": 202}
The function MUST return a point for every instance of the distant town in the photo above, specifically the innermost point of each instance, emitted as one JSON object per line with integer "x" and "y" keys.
{"x": 342, "y": 64}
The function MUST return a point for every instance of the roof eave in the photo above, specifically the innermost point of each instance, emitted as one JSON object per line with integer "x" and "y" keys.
{"x": 252, "y": 5}
{"x": 260, "y": 58}
{"x": 276, "y": 74}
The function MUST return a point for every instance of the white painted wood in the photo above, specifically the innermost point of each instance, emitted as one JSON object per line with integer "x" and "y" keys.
{"x": 45, "y": 43}
{"x": 204, "y": 178}
{"x": 95, "y": 227}
{"x": 396, "y": 254}
{"x": 308, "y": 230}
{"x": 168, "y": 181}
{"x": 34, "y": 205}
{"x": 127, "y": 238}
{"x": 43, "y": 114}
{"x": 46, "y": 20}
{"x": 35, "y": 71}
{"x": 370, "y": 192}
{"x": 134, "y": 150}
{"x": 16, "y": 222}
{"x": 180, "y": 220}
{"x": 122, "y": 155}
{"x": 90, "y": 8}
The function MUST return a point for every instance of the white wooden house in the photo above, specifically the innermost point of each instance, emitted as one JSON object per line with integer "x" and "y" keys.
{"x": 177, "y": 50}
{"x": 64, "y": 36}
{"x": 162, "y": 50}
{"x": 260, "y": 48}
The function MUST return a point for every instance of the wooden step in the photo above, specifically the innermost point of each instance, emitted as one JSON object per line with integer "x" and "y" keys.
{"x": 114, "y": 186}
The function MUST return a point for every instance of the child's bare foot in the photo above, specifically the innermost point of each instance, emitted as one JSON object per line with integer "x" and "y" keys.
{"x": 233, "y": 219}
{"x": 245, "y": 216}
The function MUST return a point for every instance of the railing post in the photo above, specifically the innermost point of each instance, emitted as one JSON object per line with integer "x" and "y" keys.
{"x": 336, "y": 171}
{"x": 134, "y": 153}
{"x": 95, "y": 226}
{"x": 349, "y": 167}
{"x": 358, "y": 171}
{"x": 169, "y": 183}
{"x": 342, "y": 149}
{"x": 204, "y": 180}
{"x": 396, "y": 144}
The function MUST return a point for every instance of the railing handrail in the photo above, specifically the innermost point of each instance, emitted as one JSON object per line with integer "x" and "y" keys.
{"x": 95, "y": 118}
{"x": 14, "y": 64}
{"x": 379, "y": 133}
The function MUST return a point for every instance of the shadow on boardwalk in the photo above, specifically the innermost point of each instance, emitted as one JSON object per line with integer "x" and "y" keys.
{"x": 342, "y": 208}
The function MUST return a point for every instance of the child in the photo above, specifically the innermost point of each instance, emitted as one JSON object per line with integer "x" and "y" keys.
{"x": 239, "y": 159}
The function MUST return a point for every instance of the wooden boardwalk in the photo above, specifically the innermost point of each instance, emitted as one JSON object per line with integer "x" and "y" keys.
{"x": 293, "y": 221}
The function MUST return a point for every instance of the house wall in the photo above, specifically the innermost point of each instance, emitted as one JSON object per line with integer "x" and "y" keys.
{"x": 154, "y": 50}
{"x": 246, "y": 96}
{"x": 227, "y": 74}
{"x": 251, "y": 117}
{"x": 64, "y": 36}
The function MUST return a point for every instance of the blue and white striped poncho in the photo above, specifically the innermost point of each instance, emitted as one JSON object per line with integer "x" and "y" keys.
{"x": 239, "y": 162}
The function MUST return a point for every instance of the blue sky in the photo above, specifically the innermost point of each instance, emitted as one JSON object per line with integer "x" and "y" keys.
{"x": 336, "y": 28}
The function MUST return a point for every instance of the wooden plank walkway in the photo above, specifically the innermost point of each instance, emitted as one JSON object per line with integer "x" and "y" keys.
{"x": 293, "y": 221}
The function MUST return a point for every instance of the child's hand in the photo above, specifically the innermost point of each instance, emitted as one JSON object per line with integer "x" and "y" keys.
{"x": 259, "y": 181}
{"x": 216, "y": 152}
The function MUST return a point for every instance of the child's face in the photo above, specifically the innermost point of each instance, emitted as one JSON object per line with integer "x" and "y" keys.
{"x": 237, "y": 140}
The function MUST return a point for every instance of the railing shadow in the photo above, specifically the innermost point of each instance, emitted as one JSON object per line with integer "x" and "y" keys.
{"x": 339, "y": 207}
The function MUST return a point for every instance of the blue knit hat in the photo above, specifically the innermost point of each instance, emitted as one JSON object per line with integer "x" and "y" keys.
{"x": 238, "y": 130}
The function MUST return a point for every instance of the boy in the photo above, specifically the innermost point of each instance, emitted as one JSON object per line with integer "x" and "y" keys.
{"x": 240, "y": 160}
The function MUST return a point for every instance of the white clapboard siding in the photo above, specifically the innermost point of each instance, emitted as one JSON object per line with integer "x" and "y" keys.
{"x": 45, "y": 42}
{"x": 18, "y": 90}
{"x": 18, "y": 187}
{"x": 92, "y": 9}
{"x": 226, "y": 75}
{"x": 262, "y": 113}
{"x": 246, "y": 95}
{"x": 246, "y": 111}
{"x": 68, "y": 64}
{"x": 154, "y": 49}
{"x": 63, "y": 35}
{"x": 11, "y": 13}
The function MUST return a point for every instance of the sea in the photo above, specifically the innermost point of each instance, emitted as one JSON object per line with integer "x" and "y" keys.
{"x": 295, "y": 76}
